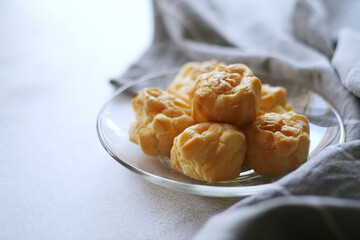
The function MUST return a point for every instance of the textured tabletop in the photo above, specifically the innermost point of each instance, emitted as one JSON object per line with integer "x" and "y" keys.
{"x": 56, "y": 180}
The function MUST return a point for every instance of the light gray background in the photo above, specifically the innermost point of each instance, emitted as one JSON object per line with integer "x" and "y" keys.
{"x": 56, "y": 181}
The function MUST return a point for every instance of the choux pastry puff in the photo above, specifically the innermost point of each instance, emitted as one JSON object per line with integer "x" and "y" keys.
{"x": 277, "y": 143}
{"x": 273, "y": 99}
{"x": 184, "y": 82}
{"x": 209, "y": 152}
{"x": 160, "y": 117}
{"x": 229, "y": 94}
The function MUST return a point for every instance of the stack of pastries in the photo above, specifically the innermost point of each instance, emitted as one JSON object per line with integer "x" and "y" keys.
{"x": 213, "y": 118}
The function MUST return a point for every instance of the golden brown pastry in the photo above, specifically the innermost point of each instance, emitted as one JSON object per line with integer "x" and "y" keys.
{"x": 273, "y": 99}
{"x": 184, "y": 82}
{"x": 209, "y": 152}
{"x": 160, "y": 117}
{"x": 228, "y": 94}
{"x": 277, "y": 143}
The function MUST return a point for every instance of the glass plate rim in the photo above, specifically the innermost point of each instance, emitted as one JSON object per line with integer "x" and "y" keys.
{"x": 196, "y": 189}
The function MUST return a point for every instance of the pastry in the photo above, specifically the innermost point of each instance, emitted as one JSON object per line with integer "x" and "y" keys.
{"x": 277, "y": 143}
{"x": 160, "y": 117}
{"x": 196, "y": 123}
{"x": 229, "y": 94}
{"x": 273, "y": 99}
{"x": 209, "y": 152}
{"x": 184, "y": 82}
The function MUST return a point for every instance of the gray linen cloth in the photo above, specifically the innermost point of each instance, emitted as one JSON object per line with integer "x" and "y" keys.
{"x": 314, "y": 43}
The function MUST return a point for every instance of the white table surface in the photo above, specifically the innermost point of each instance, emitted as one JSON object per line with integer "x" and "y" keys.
{"x": 56, "y": 180}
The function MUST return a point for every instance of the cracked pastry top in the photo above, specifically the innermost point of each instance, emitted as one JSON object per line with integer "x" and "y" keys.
{"x": 277, "y": 143}
{"x": 160, "y": 117}
{"x": 229, "y": 94}
{"x": 209, "y": 152}
{"x": 184, "y": 82}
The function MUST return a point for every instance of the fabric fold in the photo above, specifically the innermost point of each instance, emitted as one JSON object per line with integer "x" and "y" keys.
{"x": 346, "y": 60}
{"x": 305, "y": 217}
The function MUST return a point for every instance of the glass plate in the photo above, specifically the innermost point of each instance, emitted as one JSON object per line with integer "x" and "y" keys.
{"x": 326, "y": 128}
